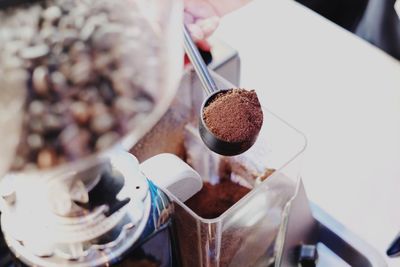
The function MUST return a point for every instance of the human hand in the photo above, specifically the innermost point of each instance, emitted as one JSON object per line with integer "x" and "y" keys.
{"x": 202, "y": 17}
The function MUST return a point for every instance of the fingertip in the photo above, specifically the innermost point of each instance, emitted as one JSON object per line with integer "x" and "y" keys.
{"x": 188, "y": 18}
{"x": 208, "y": 26}
{"x": 196, "y": 32}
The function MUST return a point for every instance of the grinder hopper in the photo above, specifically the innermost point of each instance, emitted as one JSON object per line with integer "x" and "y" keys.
{"x": 37, "y": 202}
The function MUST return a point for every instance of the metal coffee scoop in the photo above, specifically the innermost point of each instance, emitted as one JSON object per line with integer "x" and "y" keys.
{"x": 217, "y": 145}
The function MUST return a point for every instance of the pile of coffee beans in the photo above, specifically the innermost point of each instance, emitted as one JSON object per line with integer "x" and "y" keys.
{"x": 90, "y": 69}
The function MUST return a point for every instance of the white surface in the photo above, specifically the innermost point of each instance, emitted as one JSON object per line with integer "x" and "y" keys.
{"x": 329, "y": 257}
{"x": 343, "y": 94}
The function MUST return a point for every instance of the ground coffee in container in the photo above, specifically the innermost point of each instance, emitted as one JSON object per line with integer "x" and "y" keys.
{"x": 213, "y": 226}
{"x": 210, "y": 203}
{"x": 213, "y": 200}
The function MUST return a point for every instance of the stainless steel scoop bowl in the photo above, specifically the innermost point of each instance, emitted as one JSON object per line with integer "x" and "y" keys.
{"x": 214, "y": 143}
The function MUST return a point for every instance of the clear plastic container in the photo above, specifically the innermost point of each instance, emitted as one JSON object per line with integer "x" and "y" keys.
{"x": 247, "y": 233}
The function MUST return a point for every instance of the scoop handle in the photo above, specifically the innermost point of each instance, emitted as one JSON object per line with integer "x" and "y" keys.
{"x": 198, "y": 63}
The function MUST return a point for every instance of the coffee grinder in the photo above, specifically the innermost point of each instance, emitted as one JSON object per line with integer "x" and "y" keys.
{"x": 99, "y": 210}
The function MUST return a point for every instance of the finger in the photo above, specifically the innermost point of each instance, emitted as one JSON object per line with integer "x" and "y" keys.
{"x": 188, "y": 18}
{"x": 208, "y": 26}
{"x": 196, "y": 32}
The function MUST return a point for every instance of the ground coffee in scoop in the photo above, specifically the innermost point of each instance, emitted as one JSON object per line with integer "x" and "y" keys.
{"x": 234, "y": 115}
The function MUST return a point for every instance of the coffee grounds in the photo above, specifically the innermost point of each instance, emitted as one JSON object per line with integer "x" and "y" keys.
{"x": 234, "y": 116}
{"x": 213, "y": 200}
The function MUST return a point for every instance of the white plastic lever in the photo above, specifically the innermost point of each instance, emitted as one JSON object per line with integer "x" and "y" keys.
{"x": 172, "y": 174}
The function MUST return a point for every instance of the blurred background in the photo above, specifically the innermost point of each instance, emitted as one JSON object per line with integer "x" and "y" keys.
{"x": 373, "y": 20}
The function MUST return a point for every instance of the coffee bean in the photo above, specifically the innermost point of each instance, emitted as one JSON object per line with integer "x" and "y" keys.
{"x": 52, "y": 122}
{"x": 121, "y": 84}
{"x": 106, "y": 92}
{"x": 102, "y": 123}
{"x": 52, "y": 13}
{"x": 66, "y": 22}
{"x": 102, "y": 62}
{"x": 106, "y": 140}
{"x": 46, "y": 158}
{"x": 47, "y": 33}
{"x": 35, "y": 141}
{"x": 98, "y": 108}
{"x": 65, "y": 68}
{"x": 34, "y": 52}
{"x": 58, "y": 81}
{"x": 37, "y": 108}
{"x": 40, "y": 80}
{"x": 69, "y": 37}
{"x": 75, "y": 142}
{"x": 80, "y": 112}
{"x": 90, "y": 96}
{"x": 81, "y": 71}
{"x": 60, "y": 109}
{"x": 105, "y": 38}
{"x": 91, "y": 24}
{"x": 36, "y": 125}
{"x": 79, "y": 22}
{"x": 77, "y": 49}
{"x": 125, "y": 105}
{"x": 68, "y": 133}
